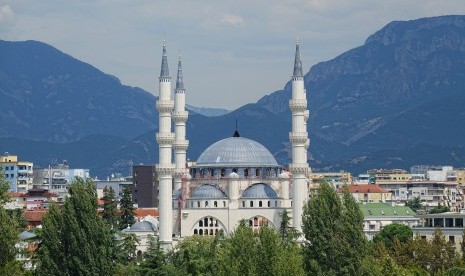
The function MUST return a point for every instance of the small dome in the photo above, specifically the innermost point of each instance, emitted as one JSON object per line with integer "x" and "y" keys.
{"x": 207, "y": 191}
{"x": 26, "y": 235}
{"x": 233, "y": 175}
{"x": 259, "y": 190}
{"x": 142, "y": 226}
{"x": 283, "y": 175}
{"x": 236, "y": 152}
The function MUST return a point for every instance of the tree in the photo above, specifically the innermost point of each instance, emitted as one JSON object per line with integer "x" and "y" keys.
{"x": 288, "y": 233}
{"x": 329, "y": 224}
{"x": 127, "y": 248}
{"x": 155, "y": 261}
{"x": 442, "y": 253}
{"x": 392, "y": 231}
{"x": 9, "y": 231}
{"x": 76, "y": 241}
{"x": 439, "y": 209}
{"x": 127, "y": 217}
{"x": 110, "y": 207}
{"x": 414, "y": 204}
{"x": 196, "y": 255}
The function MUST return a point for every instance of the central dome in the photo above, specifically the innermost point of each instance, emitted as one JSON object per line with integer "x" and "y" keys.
{"x": 236, "y": 152}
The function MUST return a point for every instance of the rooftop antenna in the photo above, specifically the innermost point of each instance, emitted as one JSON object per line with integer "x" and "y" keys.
{"x": 236, "y": 133}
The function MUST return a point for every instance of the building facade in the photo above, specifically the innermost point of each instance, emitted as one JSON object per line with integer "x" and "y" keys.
{"x": 19, "y": 174}
{"x": 145, "y": 186}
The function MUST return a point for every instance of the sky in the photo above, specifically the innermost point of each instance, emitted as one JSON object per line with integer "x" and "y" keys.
{"x": 233, "y": 52}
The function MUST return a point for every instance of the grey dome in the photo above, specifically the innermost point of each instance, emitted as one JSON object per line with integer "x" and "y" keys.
{"x": 236, "y": 152}
{"x": 26, "y": 235}
{"x": 207, "y": 191}
{"x": 142, "y": 226}
{"x": 259, "y": 190}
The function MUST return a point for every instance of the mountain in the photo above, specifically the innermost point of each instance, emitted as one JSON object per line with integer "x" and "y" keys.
{"x": 403, "y": 88}
{"x": 395, "y": 101}
{"x": 208, "y": 111}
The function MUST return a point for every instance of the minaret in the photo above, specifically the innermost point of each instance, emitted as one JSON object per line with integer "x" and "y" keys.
{"x": 299, "y": 140}
{"x": 165, "y": 168}
{"x": 180, "y": 117}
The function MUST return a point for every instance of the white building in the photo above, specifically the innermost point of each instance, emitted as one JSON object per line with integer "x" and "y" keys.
{"x": 17, "y": 173}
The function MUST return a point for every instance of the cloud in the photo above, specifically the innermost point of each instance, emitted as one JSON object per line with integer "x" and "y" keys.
{"x": 6, "y": 13}
{"x": 234, "y": 20}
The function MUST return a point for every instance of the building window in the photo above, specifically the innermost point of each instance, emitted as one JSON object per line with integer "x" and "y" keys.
{"x": 243, "y": 203}
{"x": 198, "y": 204}
{"x": 196, "y": 232}
{"x": 260, "y": 203}
{"x": 251, "y": 203}
{"x": 224, "y": 203}
{"x": 257, "y": 222}
{"x": 269, "y": 203}
{"x": 208, "y": 226}
{"x": 215, "y": 204}
{"x": 206, "y": 203}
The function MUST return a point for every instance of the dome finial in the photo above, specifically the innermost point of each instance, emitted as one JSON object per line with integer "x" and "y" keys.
{"x": 236, "y": 133}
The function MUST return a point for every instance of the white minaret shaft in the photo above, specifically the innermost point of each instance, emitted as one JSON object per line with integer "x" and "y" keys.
{"x": 180, "y": 117}
{"x": 165, "y": 168}
{"x": 299, "y": 140}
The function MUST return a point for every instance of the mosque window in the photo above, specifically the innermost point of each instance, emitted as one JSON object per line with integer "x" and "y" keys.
{"x": 206, "y": 203}
{"x": 260, "y": 203}
{"x": 224, "y": 203}
{"x": 269, "y": 203}
{"x": 243, "y": 203}
{"x": 207, "y": 226}
{"x": 251, "y": 203}
{"x": 246, "y": 172}
{"x": 222, "y": 172}
{"x": 275, "y": 203}
{"x": 192, "y": 204}
{"x": 257, "y": 222}
{"x": 215, "y": 204}
{"x": 234, "y": 170}
{"x": 257, "y": 172}
{"x": 198, "y": 204}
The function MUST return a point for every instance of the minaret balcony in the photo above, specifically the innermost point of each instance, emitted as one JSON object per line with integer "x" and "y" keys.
{"x": 298, "y": 137}
{"x": 165, "y": 169}
{"x": 306, "y": 115}
{"x": 180, "y": 145}
{"x": 180, "y": 116}
{"x": 165, "y": 106}
{"x": 165, "y": 138}
{"x": 297, "y": 168}
{"x": 298, "y": 104}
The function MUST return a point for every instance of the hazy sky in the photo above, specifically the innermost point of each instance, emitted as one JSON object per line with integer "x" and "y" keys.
{"x": 234, "y": 52}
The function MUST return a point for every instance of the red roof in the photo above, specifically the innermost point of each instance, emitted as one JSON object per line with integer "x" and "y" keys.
{"x": 34, "y": 215}
{"x": 143, "y": 212}
{"x": 365, "y": 189}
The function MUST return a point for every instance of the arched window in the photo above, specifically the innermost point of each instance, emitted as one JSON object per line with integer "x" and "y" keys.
{"x": 196, "y": 232}
{"x": 246, "y": 172}
{"x": 206, "y": 203}
{"x": 260, "y": 203}
{"x": 208, "y": 226}
{"x": 211, "y": 232}
{"x": 205, "y": 220}
{"x": 275, "y": 203}
{"x": 224, "y": 203}
{"x": 269, "y": 203}
{"x": 200, "y": 223}
{"x": 222, "y": 172}
{"x": 243, "y": 203}
{"x": 215, "y": 204}
{"x": 211, "y": 222}
{"x": 192, "y": 204}
{"x": 200, "y": 232}
{"x": 251, "y": 203}
{"x": 198, "y": 204}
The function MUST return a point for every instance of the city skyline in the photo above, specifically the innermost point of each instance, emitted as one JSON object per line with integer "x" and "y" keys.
{"x": 233, "y": 52}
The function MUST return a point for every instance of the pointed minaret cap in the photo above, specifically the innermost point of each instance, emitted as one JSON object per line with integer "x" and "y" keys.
{"x": 164, "y": 62}
{"x": 236, "y": 133}
{"x": 179, "y": 81}
{"x": 297, "y": 61}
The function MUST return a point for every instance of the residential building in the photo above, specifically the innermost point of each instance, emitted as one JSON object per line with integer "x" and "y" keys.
{"x": 17, "y": 173}
{"x": 379, "y": 215}
{"x": 369, "y": 193}
{"x": 145, "y": 186}
{"x": 116, "y": 182}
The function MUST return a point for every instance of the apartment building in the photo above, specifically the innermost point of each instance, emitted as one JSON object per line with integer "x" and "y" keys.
{"x": 17, "y": 173}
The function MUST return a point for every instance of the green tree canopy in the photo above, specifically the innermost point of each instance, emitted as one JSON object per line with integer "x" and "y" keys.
{"x": 76, "y": 241}
{"x": 110, "y": 207}
{"x": 127, "y": 217}
{"x": 395, "y": 230}
{"x": 333, "y": 229}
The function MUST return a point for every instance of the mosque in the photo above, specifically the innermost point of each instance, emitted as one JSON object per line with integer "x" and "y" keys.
{"x": 234, "y": 179}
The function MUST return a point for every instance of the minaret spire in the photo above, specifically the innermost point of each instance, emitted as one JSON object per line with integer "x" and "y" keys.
{"x": 179, "y": 81}
{"x": 164, "y": 72}
{"x": 297, "y": 61}
{"x": 165, "y": 168}
{"x": 299, "y": 140}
